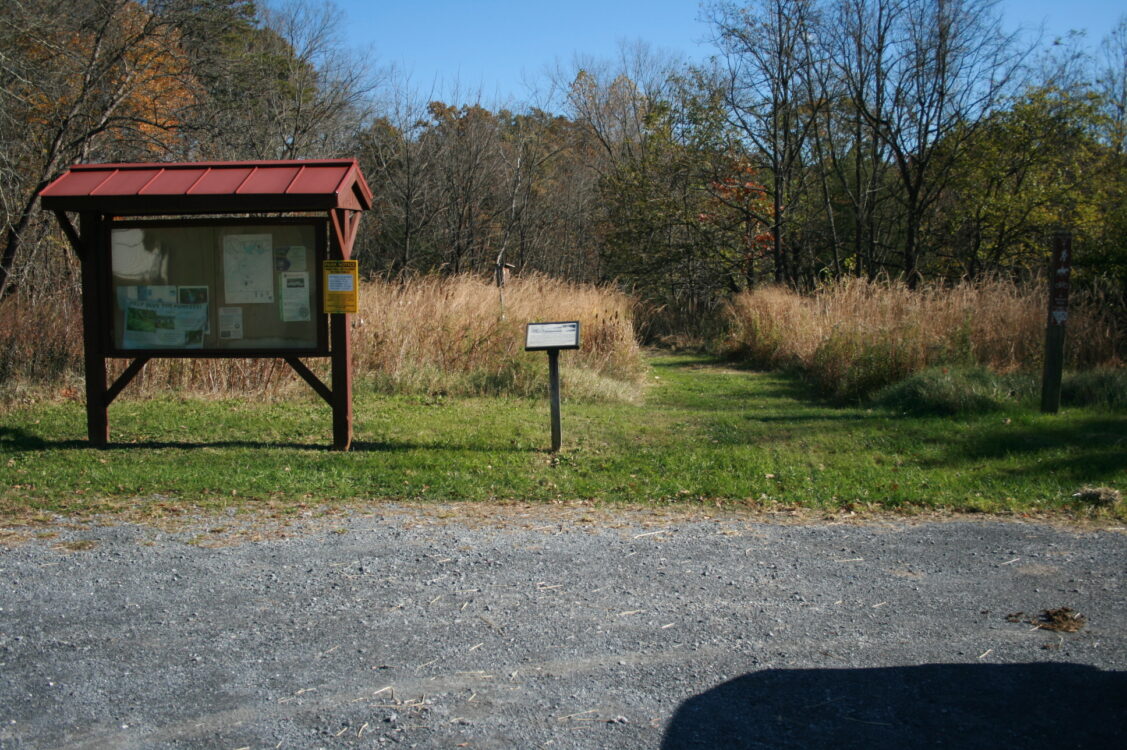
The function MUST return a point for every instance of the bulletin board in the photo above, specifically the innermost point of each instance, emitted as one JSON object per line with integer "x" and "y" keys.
{"x": 216, "y": 288}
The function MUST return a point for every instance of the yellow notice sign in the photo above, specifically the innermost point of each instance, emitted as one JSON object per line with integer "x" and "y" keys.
{"x": 342, "y": 282}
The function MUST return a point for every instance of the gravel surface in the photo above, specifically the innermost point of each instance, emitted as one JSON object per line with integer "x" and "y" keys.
{"x": 418, "y": 628}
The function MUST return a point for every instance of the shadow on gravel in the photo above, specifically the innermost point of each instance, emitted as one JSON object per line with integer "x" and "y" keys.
{"x": 936, "y": 705}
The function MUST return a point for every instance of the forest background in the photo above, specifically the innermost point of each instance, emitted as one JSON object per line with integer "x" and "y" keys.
{"x": 825, "y": 141}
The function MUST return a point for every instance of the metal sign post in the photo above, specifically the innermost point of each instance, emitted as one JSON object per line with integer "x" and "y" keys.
{"x": 552, "y": 337}
{"x": 1059, "y": 276}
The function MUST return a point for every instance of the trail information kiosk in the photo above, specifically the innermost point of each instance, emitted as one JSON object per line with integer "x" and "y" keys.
{"x": 216, "y": 259}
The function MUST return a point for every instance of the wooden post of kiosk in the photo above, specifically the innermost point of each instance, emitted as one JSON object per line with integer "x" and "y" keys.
{"x": 552, "y": 337}
{"x": 93, "y": 330}
{"x": 341, "y": 279}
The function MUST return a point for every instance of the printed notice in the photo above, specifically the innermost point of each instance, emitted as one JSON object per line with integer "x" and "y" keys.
{"x": 195, "y": 295}
{"x": 341, "y": 282}
{"x": 295, "y": 297}
{"x": 230, "y": 323}
{"x": 192, "y": 295}
{"x": 248, "y": 268}
{"x": 158, "y": 325}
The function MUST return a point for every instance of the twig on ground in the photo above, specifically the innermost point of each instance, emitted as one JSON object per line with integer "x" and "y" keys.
{"x": 581, "y": 713}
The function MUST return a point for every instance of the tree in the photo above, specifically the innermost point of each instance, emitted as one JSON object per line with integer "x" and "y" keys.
{"x": 100, "y": 79}
{"x": 1111, "y": 82}
{"x": 767, "y": 48}
{"x": 1029, "y": 169}
{"x": 275, "y": 84}
{"x": 945, "y": 65}
{"x": 397, "y": 161}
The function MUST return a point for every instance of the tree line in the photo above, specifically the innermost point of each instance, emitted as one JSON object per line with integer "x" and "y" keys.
{"x": 914, "y": 139}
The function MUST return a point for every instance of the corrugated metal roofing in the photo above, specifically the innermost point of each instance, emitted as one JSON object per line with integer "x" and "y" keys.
{"x": 210, "y": 187}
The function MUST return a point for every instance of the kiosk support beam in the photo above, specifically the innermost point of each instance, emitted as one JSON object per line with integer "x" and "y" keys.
{"x": 343, "y": 234}
{"x": 69, "y": 231}
{"x": 309, "y": 377}
{"x": 93, "y": 330}
{"x": 131, "y": 372}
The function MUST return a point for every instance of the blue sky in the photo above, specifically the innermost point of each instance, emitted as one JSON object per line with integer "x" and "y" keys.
{"x": 493, "y": 47}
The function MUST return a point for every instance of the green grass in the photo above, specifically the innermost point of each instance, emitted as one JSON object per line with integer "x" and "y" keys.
{"x": 703, "y": 434}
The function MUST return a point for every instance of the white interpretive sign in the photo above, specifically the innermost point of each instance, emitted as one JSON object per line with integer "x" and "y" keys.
{"x": 542, "y": 336}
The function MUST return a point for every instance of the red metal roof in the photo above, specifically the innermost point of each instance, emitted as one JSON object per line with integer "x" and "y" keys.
{"x": 210, "y": 187}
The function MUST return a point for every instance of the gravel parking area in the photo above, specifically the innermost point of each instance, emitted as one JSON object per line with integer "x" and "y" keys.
{"x": 564, "y": 629}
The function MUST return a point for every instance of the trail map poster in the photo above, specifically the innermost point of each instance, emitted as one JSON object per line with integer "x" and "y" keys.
{"x": 248, "y": 268}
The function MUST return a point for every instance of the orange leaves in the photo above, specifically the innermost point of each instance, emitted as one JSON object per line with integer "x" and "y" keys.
{"x": 153, "y": 74}
{"x": 123, "y": 75}
{"x": 739, "y": 202}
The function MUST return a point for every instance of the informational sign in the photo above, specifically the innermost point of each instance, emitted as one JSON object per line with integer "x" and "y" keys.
{"x": 1059, "y": 273}
{"x": 552, "y": 337}
{"x": 342, "y": 282}
{"x": 542, "y": 336}
{"x": 157, "y": 324}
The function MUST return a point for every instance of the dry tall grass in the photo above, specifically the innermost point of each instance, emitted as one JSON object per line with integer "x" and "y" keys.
{"x": 854, "y": 336}
{"x": 448, "y": 334}
{"x": 426, "y": 335}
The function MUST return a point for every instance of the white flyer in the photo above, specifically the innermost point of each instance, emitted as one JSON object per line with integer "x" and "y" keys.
{"x": 340, "y": 282}
{"x": 248, "y": 268}
{"x": 230, "y": 323}
{"x": 295, "y": 297}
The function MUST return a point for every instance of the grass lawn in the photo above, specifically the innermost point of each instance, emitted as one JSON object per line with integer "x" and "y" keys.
{"x": 705, "y": 434}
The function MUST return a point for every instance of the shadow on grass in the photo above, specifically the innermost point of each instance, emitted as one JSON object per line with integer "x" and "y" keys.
{"x": 935, "y": 705}
{"x": 18, "y": 440}
{"x": 685, "y": 362}
{"x": 14, "y": 438}
{"x": 1098, "y": 446}
{"x": 734, "y": 384}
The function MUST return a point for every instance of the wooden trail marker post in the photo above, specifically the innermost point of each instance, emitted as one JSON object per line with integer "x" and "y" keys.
{"x": 1059, "y": 280}
{"x": 551, "y": 338}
